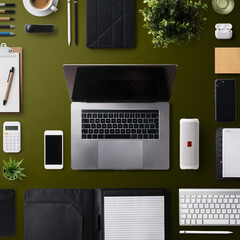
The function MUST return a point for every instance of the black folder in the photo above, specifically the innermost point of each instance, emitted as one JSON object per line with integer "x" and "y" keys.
{"x": 110, "y": 23}
{"x": 90, "y": 214}
{"x": 7, "y": 212}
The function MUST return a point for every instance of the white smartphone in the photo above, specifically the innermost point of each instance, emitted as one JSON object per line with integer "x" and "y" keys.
{"x": 53, "y": 149}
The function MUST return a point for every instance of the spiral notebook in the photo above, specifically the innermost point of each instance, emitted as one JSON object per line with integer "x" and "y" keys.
{"x": 10, "y": 57}
{"x": 227, "y": 153}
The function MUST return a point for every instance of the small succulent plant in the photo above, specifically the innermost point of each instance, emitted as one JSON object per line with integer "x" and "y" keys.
{"x": 12, "y": 170}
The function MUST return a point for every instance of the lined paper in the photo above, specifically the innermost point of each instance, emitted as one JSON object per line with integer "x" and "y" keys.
{"x": 231, "y": 152}
{"x": 134, "y": 218}
{"x": 13, "y": 102}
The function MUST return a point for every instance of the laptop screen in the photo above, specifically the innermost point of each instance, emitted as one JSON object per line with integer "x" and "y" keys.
{"x": 134, "y": 83}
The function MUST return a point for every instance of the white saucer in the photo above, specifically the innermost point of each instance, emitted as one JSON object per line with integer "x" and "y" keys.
{"x": 37, "y": 13}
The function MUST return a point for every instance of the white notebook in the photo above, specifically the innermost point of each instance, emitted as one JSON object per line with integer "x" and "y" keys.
{"x": 231, "y": 152}
{"x": 134, "y": 217}
{"x": 13, "y": 102}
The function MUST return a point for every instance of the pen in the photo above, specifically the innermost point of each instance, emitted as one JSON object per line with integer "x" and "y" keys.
{"x": 76, "y": 21}
{"x": 69, "y": 22}
{"x": 7, "y": 26}
{"x": 6, "y": 19}
{"x": 7, "y": 11}
{"x": 7, "y": 4}
{"x": 9, "y": 81}
{"x": 205, "y": 232}
{"x": 7, "y": 34}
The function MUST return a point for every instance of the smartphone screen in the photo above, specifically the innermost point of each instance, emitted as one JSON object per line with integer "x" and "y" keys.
{"x": 225, "y": 102}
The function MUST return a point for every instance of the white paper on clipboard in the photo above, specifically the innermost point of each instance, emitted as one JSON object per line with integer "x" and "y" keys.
{"x": 9, "y": 59}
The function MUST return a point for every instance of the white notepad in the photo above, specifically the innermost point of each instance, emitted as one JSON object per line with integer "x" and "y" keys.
{"x": 231, "y": 152}
{"x": 134, "y": 218}
{"x": 13, "y": 102}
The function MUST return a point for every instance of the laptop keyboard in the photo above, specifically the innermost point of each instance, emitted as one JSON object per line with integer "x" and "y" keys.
{"x": 120, "y": 124}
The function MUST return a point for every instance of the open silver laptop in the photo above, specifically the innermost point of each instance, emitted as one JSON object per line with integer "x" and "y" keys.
{"x": 120, "y": 116}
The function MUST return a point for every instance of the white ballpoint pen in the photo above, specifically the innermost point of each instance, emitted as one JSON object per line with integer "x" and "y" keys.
{"x": 205, "y": 232}
{"x": 69, "y": 21}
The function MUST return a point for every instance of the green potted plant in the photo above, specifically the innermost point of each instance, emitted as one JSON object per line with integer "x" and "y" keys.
{"x": 174, "y": 21}
{"x": 12, "y": 170}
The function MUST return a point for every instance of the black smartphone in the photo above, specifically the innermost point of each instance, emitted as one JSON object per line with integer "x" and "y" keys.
{"x": 225, "y": 100}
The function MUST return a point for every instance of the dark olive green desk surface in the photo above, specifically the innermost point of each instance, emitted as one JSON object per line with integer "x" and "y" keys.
{"x": 46, "y": 105}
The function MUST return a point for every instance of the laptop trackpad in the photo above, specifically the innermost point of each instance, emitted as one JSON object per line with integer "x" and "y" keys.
{"x": 120, "y": 154}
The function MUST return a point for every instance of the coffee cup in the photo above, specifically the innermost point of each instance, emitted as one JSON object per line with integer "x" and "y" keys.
{"x": 42, "y": 5}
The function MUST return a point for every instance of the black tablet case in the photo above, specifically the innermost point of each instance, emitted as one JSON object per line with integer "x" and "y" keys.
{"x": 7, "y": 212}
{"x": 74, "y": 214}
{"x": 110, "y": 23}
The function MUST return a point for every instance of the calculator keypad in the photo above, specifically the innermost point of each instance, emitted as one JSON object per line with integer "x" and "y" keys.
{"x": 11, "y": 141}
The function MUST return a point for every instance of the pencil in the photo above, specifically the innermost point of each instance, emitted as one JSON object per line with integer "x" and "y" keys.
{"x": 7, "y": 4}
{"x": 7, "y": 26}
{"x": 6, "y": 19}
{"x": 7, "y": 34}
{"x": 7, "y": 11}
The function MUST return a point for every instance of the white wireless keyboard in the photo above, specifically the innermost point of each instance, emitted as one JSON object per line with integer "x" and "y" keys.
{"x": 209, "y": 207}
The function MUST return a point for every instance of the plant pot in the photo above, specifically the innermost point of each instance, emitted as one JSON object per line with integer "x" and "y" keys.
{"x": 7, "y": 177}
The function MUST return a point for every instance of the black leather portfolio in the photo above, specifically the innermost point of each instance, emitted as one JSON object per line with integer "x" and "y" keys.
{"x": 7, "y": 212}
{"x": 110, "y": 23}
{"x": 96, "y": 214}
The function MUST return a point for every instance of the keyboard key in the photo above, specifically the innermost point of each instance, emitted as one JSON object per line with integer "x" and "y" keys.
{"x": 215, "y": 221}
{"x": 85, "y": 120}
{"x": 118, "y": 136}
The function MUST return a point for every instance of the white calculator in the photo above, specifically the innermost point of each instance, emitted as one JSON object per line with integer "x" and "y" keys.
{"x": 11, "y": 137}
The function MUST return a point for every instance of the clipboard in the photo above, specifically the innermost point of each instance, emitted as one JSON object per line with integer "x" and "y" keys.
{"x": 6, "y": 51}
